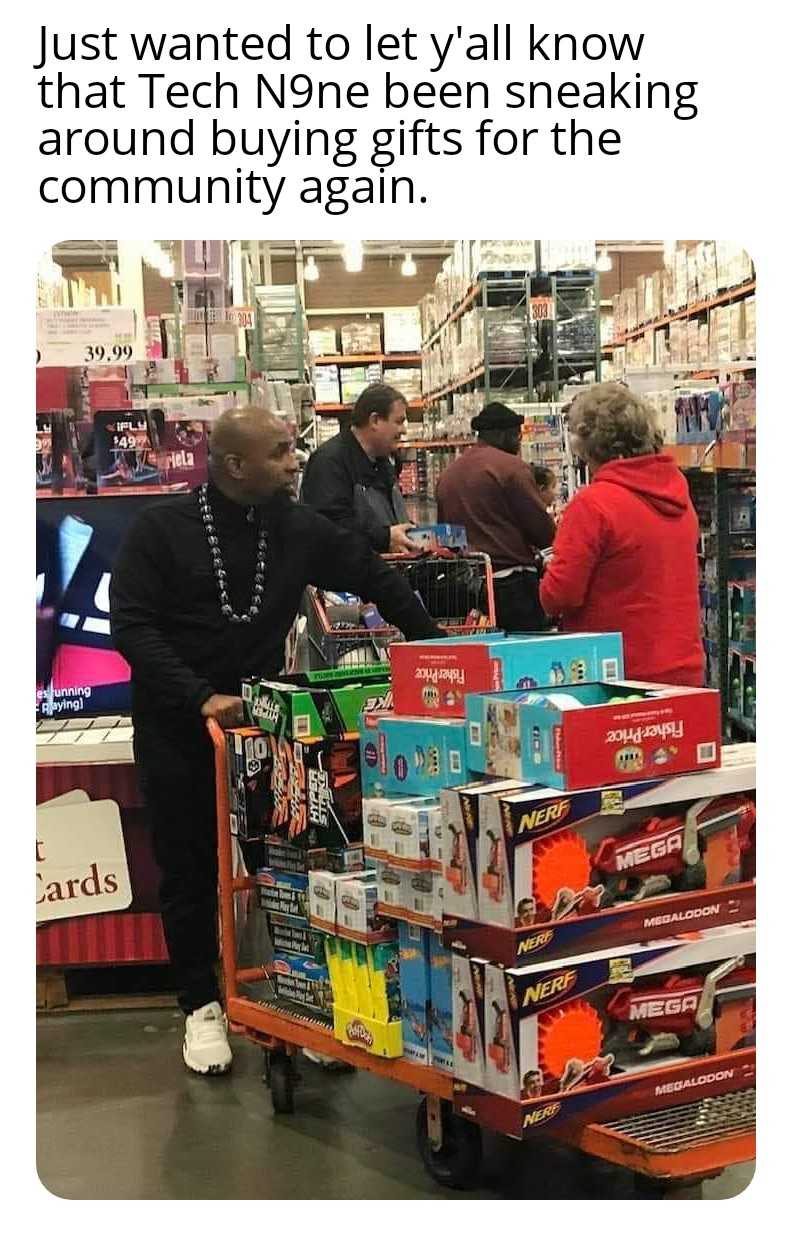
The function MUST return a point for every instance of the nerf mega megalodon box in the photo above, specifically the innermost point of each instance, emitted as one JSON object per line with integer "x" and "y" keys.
{"x": 433, "y": 677}
{"x": 631, "y": 1029}
{"x": 316, "y": 704}
{"x": 594, "y": 734}
{"x": 588, "y": 869}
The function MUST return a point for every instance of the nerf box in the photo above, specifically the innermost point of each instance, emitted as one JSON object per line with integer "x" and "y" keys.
{"x": 441, "y": 1034}
{"x": 431, "y": 537}
{"x": 401, "y": 756}
{"x": 292, "y": 938}
{"x": 414, "y": 979}
{"x": 316, "y": 704}
{"x": 304, "y": 981}
{"x": 467, "y": 978}
{"x": 433, "y": 677}
{"x": 460, "y": 809}
{"x": 599, "y": 734}
{"x": 577, "y": 871}
{"x": 284, "y": 893}
{"x": 591, "y": 1028}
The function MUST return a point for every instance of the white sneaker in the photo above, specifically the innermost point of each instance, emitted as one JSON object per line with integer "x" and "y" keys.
{"x": 206, "y": 1048}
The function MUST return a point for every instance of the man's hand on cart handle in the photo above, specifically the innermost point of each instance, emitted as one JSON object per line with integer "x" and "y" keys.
{"x": 400, "y": 542}
{"x": 226, "y": 710}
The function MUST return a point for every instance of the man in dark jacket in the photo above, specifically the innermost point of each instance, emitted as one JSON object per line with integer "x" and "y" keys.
{"x": 492, "y": 492}
{"x": 203, "y": 593}
{"x": 352, "y": 480}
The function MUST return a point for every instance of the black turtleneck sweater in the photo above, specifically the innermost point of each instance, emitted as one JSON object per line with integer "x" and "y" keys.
{"x": 165, "y": 605}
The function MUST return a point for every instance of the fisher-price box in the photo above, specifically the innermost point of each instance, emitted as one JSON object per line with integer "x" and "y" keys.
{"x": 597, "y": 734}
{"x": 433, "y": 677}
{"x": 414, "y": 978}
{"x": 316, "y": 704}
{"x": 441, "y": 1021}
{"x": 400, "y": 756}
{"x": 589, "y": 1027}
{"x": 468, "y": 992}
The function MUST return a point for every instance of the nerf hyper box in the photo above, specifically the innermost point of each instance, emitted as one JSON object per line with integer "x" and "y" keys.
{"x": 432, "y": 677}
{"x": 316, "y": 704}
{"x": 589, "y": 869}
{"x": 595, "y": 734}
{"x": 582, "y": 1032}
{"x": 414, "y": 979}
{"x": 400, "y": 756}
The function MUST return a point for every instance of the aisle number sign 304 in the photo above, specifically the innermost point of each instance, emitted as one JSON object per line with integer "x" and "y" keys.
{"x": 74, "y": 337}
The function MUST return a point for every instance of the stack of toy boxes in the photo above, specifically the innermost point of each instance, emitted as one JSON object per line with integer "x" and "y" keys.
{"x": 294, "y": 784}
{"x": 562, "y": 884}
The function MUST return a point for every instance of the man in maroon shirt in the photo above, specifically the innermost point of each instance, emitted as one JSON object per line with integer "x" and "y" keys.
{"x": 492, "y": 492}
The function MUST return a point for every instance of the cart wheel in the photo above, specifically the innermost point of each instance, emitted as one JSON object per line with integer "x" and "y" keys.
{"x": 281, "y": 1079}
{"x": 457, "y": 1161}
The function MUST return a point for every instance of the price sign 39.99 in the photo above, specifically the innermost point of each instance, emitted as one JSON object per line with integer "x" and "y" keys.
{"x": 85, "y": 336}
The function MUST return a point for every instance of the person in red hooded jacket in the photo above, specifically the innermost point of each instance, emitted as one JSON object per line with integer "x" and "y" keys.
{"x": 625, "y": 555}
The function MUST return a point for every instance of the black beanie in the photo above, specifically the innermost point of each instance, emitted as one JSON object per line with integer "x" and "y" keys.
{"x": 496, "y": 416}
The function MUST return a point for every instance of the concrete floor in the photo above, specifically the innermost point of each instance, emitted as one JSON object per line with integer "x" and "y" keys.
{"x": 119, "y": 1117}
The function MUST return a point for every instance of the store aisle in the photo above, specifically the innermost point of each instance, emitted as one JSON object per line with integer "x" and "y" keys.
{"x": 120, "y": 1118}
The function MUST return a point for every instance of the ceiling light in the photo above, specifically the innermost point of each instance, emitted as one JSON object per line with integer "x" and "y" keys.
{"x": 604, "y": 262}
{"x": 311, "y": 270}
{"x": 353, "y": 257}
{"x": 408, "y": 266}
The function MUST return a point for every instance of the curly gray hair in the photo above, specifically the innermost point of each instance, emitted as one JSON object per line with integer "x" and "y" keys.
{"x": 610, "y": 421}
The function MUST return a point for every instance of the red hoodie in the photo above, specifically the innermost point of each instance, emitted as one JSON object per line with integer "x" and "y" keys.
{"x": 625, "y": 560}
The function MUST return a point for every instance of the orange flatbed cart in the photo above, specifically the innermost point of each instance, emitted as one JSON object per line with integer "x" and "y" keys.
{"x": 687, "y": 1142}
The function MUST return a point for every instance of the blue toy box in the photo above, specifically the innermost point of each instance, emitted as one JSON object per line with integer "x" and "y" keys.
{"x": 414, "y": 979}
{"x": 402, "y": 756}
{"x": 441, "y": 1011}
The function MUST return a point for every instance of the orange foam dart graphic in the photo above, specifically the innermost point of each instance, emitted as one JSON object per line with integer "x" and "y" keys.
{"x": 569, "y": 1033}
{"x": 561, "y": 869}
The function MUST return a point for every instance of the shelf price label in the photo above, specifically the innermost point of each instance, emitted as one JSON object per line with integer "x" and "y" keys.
{"x": 244, "y": 318}
{"x": 542, "y": 308}
{"x": 72, "y": 337}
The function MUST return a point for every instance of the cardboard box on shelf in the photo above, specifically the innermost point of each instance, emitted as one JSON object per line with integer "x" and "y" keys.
{"x": 327, "y": 383}
{"x": 361, "y": 338}
{"x": 357, "y": 916}
{"x": 316, "y": 704}
{"x": 441, "y": 1010}
{"x": 323, "y": 341}
{"x": 415, "y": 984}
{"x": 432, "y": 677}
{"x": 598, "y": 734}
{"x": 468, "y": 989}
{"x": 402, "y": 330}
{"x": 564, "y": 1027}
{"x": 400, "y": 756}
{"x": 414, "y": 834}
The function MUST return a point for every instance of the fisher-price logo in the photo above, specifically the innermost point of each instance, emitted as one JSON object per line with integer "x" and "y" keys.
{"x": 545, "y": 816}
{"x": 645, "y": 732}
{"x": 451, "y": 675}
{"x": 358, "y": 1033}
{"x": 543, "y": 1114}
{"x": 555, "y": 986}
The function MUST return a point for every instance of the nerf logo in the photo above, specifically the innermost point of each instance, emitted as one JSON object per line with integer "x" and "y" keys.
{"x": 358, "y": 1033}
{"x": 660, "y": 1007}
{"x": 534, "y": 942}
{"x": 637, "y": 855}
{"x": 545, "y": 816}
{"x": 543, "y": 1114}
{"x": 555, "y": 986}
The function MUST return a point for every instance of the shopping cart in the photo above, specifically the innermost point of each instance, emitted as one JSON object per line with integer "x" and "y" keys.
{"x": 457, "y": 591}
{"x": 683, "y": 1143}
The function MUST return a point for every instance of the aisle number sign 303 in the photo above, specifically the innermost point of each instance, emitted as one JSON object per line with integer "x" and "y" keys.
{"x": 74, "y": 337}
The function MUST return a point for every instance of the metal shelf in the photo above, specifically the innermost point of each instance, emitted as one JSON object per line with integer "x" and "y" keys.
{"x": 685, "y": 314}
{"x": 400, "y": 357}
